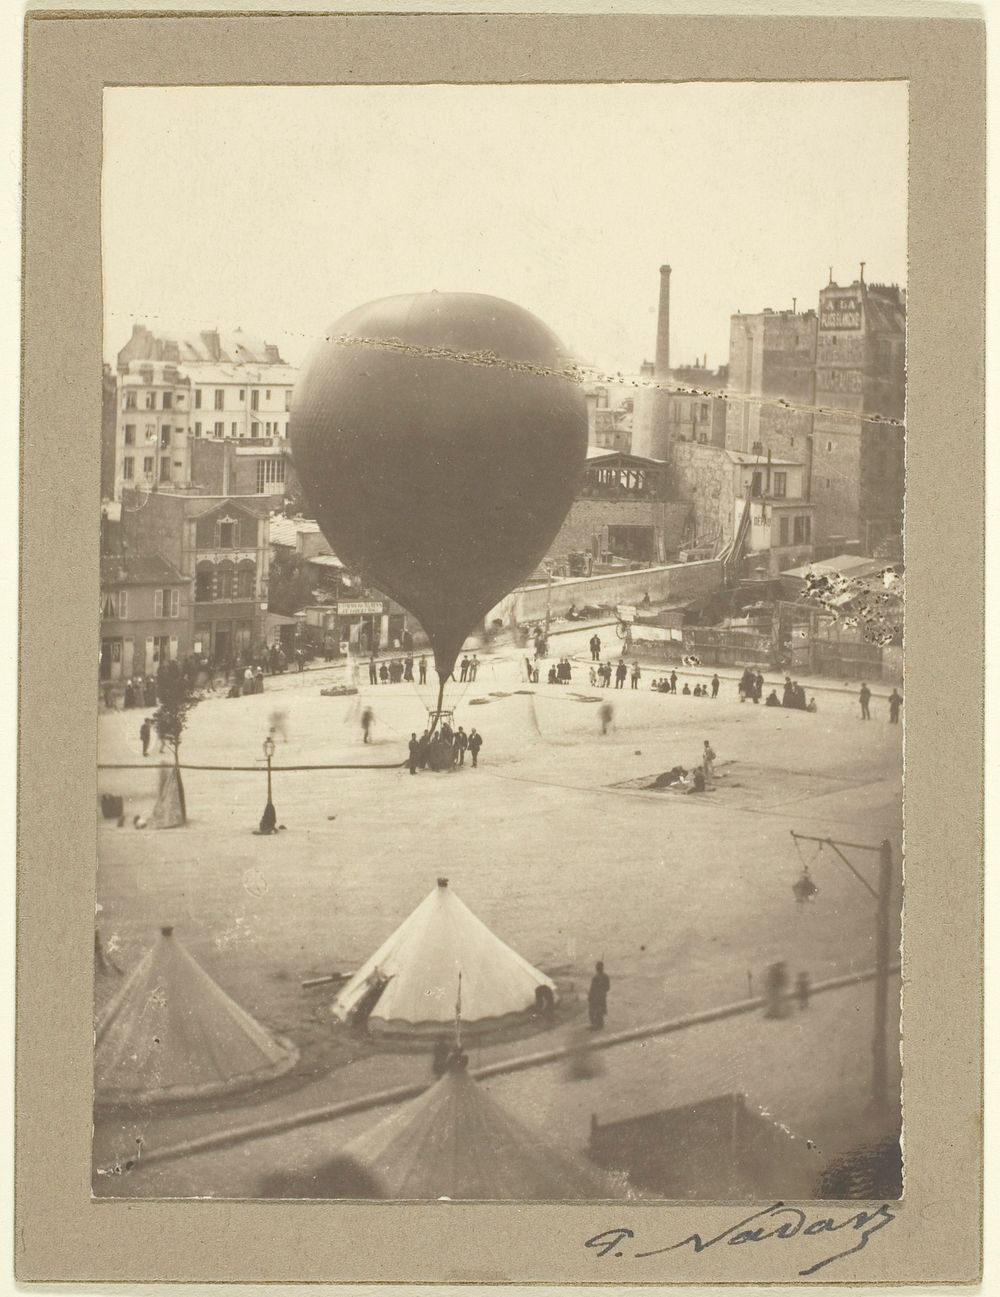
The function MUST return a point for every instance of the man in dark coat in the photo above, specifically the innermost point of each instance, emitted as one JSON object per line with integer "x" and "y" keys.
{"x": 715, "y": 686}
{"x": 788, "y": 693}
{"x": 597, "y": 996}
{"x": 595, "y": 647}
{"x": 621, "y": 674}
{"x": 465, "y": 669}
{"x": 461, "y": 744}
{"x": 423, "y": 743}
{"x": 895, "y": 702}
{"x": 414, "y": 753}
{"x": 673, "y": 682}
{"x": 145, "y": 733}
{"x": 475, "y": 743}
{"x": 372, "y": 672}
{"x": 423, "y": 670}
{"x": 864, "y": 698}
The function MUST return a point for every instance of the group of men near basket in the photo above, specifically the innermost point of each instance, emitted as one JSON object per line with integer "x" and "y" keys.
{"x": 444, "y": 749}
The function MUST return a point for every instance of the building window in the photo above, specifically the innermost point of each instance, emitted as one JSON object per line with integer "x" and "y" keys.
{"x": 166, "y": 603}
{"x": 226, "y": 534}
{"x": 150, "y": 431}
{"x": 165, "y": 469}
{"x": 791, "y": 442}
{"x": 165, "y": 435}
{"x": 255, "y": 399}
{"x": 148, "y": 464}
{"x": 267, "y": 394}
{"x": 197, "y": 398}
{"x": 150, "y": 400}
{"x": 243, "y": 394}
{"x": 829, "y": 445}
{"x": 197, "y": 429}
{"x": 220, "y": 429}
{"x": 288, "y": 398}
{"x": 168, "y": 400}
{"x": 114, "y": 604}
{"x": 704, "y": 412}
{"x": 828, "y": 484}
{"x": 783, "y": 531}
{"x": 780, "y": 484}
{"x": 131, "y": 400}
{"x": 128, "y": 468}
{"x": 146, "y": 374}
{"x": 220, "y": 398}
{"x": 233, "y": 427}
{"x": 270, "y": 472}
{"x": 802, "y": 529}
{"x": 246, "y": 580}
{"x": 204, "y": 583}
{"x": 224, "y": 581}
{"x": 130, "y": 434}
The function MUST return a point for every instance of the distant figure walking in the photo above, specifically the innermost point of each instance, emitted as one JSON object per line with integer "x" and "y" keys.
{"x": 367, "y": 719}
{"x": 595, "y": 647}
{"x": 475, "y": 743}
{"x": 279, "y": 725}
{"x": 597, "y": 996}
{"x": 414, "y": 753}
{"x": 145, "y": 733}
{"x": 895, "y": 702}
{"x": 605, "y": 713}
{"x": 864, "y": 697}
{"x": 777, "y": 986}
{"x": 715, "y": 686}
{"x": 423, "y": 670}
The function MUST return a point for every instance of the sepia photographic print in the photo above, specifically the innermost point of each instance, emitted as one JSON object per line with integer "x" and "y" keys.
{"x": 501, "y": 663}
{"x": 499, "y": 512}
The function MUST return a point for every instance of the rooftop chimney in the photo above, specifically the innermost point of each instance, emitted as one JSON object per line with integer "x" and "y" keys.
{"x": 662, "y": 369}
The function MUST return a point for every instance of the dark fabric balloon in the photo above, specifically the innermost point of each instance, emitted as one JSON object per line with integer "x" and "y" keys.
{"x": 441, "y": 479}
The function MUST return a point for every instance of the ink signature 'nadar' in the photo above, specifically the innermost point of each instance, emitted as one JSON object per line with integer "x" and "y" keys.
{"x": 777, "y": 1221}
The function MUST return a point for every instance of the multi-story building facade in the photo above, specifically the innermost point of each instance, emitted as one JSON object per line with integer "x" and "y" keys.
{"x": 145, "y": 615}
{"x": 771, "y": 371}
{"x": 858, "y": 462}
{"x": 193, "y": 386}
{"x": 220, "y": 546}
{"x": 109, "y": 431}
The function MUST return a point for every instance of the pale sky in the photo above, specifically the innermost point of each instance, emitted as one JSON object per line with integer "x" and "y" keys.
{"x": 277, "y": 209}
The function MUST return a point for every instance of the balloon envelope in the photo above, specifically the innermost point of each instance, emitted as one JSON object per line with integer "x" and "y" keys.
{"x": 441, "y": 478}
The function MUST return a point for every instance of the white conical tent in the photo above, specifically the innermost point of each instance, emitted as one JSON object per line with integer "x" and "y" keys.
{"x": 171, "y": 1032}
{"x": 420, "y": 965}
{"x": 454, "y": 1141}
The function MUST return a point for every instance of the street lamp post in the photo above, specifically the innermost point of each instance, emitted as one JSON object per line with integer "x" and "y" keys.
{"x": 883, "y": 913}
{"x": 269, "y": 820}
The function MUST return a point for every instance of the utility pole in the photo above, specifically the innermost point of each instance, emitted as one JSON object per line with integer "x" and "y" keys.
{"x": 882, "y": 897}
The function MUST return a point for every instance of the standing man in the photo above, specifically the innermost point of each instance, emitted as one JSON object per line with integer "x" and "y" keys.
{"x": 864, "y": 697}
{"x": 423, "y": 670}
{"x": 673, "y": 682}
{"x": 597, "y": 997}
{"x": 636, "y": 675}
{"x": 367, "y": 718}
{"x": 414, "y": 753}
{"x": 475, "y": 743}
{"x": 408, "y": 669}
{"x": 145, "y": 734}
{"x": 595, "y": 647}
{"x": 461, "y": 743}
{"x": 715, "y": 686}
{"x": 895, "y": 702}
{"x": 372, "y": 672}
{"x": 473, "y": 667}
{"x": 621, "y": 671}
{"x": 758, "y": 687}
{"x": 708, "y": 761}
{"x": 465, "y": 669}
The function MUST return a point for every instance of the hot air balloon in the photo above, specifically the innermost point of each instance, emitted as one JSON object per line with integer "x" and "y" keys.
{"x": 440, "y": 439}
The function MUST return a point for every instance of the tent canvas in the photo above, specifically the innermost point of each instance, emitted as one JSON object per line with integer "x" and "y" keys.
{"x": 420, "y": 965}
{"x": 454, "y": 1141}
{"x": 171, "y": 1032}
{"x": 169, "y": 811}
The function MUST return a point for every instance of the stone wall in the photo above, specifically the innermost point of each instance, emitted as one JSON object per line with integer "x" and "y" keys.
{"x": 588, "y": 518}
{"x": 673, "y": 582}
{"x": 703, "y": 475}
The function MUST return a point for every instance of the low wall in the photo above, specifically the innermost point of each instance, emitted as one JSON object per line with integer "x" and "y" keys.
{"x": 673, "y": 582}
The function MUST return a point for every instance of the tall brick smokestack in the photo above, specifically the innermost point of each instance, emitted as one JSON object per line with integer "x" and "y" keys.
{"x": 662, "y": 365}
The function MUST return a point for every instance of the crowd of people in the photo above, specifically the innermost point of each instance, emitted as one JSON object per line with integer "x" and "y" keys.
{"x": 444, "y": 749}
